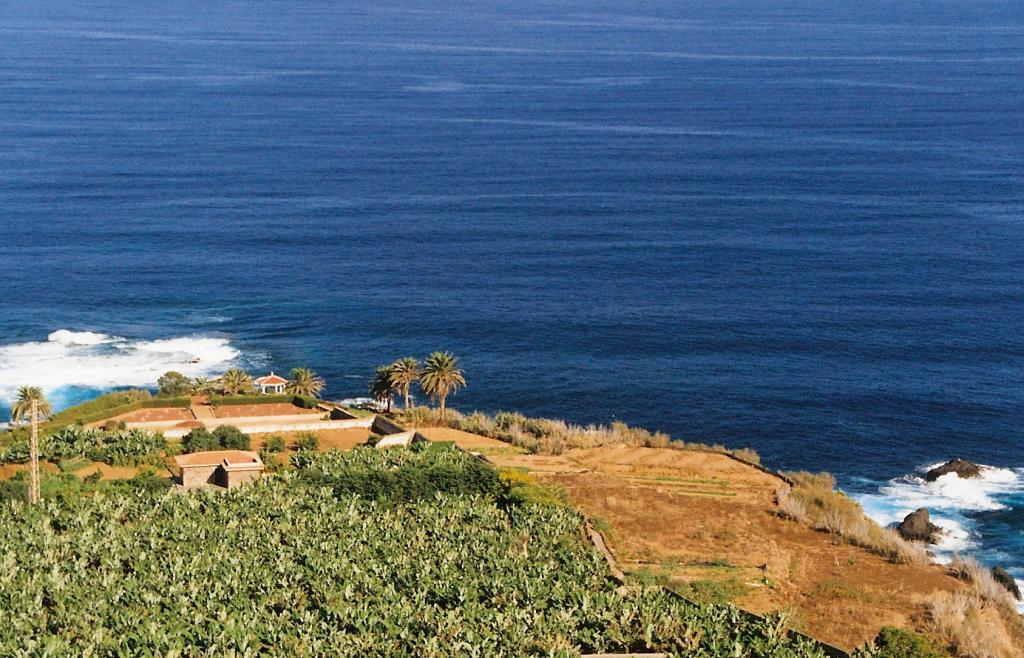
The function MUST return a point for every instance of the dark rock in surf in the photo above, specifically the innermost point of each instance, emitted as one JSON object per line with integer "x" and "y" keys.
{"x": 963, "y": 468}
{"x": 917, "y": 526}
{"x": 1006, "y": 580}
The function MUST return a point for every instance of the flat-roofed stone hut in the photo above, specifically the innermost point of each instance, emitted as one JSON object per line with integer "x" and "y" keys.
{"x": 224, "y": 468}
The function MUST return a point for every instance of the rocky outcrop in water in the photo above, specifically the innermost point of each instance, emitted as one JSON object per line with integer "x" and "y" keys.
{"x": 961, "y": 467}
{"x": 1006, "y": 580}
{"x": 917, "y": 526}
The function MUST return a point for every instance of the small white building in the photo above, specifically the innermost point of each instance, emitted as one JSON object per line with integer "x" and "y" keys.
{"x": 270, "y": 385}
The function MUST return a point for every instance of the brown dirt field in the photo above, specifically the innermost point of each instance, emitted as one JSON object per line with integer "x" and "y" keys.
{"x": 163, "y": 414}
{"x": 693, "y": 516}
{"x": 7, "y": 471}
{"x": 108, "y": 472}
{"x": 254, "y": 410}
{"x": 682, "y": 471}
{"x": 342, "y": 439}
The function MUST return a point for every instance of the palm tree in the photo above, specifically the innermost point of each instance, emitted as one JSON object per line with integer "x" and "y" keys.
{"x": 381, "y": 388}
{"x": 441, "y": 376}
{"x": 235, "y": 382}
{"x": 404, "y": 373}
{"x": 203, "y": 385}
{"x": 32, "y": 403}
{"x": 305, "y": 382}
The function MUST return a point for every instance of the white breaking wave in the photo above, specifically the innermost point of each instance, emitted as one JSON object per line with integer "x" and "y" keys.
{"x": 66, "y": 337}
{"x": 85, "y": 359}
{"x": 950, "y": 500}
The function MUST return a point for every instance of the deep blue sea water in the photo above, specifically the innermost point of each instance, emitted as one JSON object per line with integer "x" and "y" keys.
{"x": 793, "y": 225}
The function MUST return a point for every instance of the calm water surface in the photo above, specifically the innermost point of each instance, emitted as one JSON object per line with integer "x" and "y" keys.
{"x": 795, "y": 226}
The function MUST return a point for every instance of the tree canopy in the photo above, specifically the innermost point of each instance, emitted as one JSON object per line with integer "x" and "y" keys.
{"x": 173, "y": 384}
{"x": 22, "y": 407}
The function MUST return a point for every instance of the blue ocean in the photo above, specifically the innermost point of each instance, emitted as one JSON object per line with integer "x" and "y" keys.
{"x": 794, "y": 225}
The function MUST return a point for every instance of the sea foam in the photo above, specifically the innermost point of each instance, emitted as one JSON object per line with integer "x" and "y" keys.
{"x": 96, "y": 361}
{"x": 951, "y": 500}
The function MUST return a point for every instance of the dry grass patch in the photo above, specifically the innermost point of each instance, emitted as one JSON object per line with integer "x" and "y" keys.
{"x": 971, "y": 627}
{"x": 814, "y": 500}
{"x": 982, "y": 581}
{"x": 548, "y": 436}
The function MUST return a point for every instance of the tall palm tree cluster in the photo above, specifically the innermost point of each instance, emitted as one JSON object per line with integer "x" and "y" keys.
{"x": 237, "y": 382}
{"x": 438, "y": 377}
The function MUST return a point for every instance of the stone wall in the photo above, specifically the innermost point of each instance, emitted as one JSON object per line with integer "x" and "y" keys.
{"x": 197, "y": 476}
{"x": 238, "y": 478}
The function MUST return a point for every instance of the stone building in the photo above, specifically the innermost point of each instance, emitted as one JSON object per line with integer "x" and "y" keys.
{"x": 223, "y": 468}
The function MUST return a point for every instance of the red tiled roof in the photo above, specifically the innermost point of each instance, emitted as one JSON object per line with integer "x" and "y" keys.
{"x": 271, "y": 380}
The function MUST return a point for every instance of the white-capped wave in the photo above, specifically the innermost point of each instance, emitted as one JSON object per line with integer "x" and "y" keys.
{"x": 951, "y": 501}
{"x": 67, "y": 337}
{"x": 952, "y": 492}
{"x": 90, "y": 360}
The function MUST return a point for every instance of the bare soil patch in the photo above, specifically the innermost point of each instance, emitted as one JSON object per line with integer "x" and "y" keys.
{"x": 7, "y": 471}
{"x": 108, "y": 472}
{"x": 161, "y": 414}
{"x": 682, "y": 471}
{"x": 254, "y": 410}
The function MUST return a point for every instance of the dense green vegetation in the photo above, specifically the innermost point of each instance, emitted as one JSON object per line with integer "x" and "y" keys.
{"x": 899, "y": 643}
{"x": 118, "y": 447}
{"x": 400, "y": 475}
{"x": 290, "y": 567}
{"x": 174, "y": 384}
{"x": 225, "y": 437}
{"x": 63, "y": 487}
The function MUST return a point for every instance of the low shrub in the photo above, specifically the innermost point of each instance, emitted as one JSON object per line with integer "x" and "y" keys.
{"x": 519, "y": 488}
{"x": 899, "y": 643}
{"x": 305, "y": 401}
{"x": 711, "y": 591}
{"x": 230, "y": 437}
{"x": 307, "y": 441}
{"x": 146, "y": 481}
{"x": 273, "y": 444}
{"x": 199, "y": 440}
